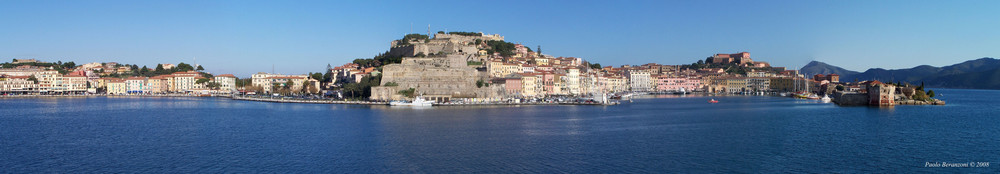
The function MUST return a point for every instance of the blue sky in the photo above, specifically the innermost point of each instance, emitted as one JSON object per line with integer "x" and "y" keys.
{"x": 244, "y": 37}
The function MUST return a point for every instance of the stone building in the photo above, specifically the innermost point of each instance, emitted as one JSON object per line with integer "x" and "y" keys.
{"x": 738, "y": 58}
{"x": 881, "y": 94}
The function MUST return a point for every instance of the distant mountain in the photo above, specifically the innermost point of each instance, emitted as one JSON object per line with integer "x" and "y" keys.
{"x": 817, "y": 67}
{"x": 983, "y": 73}
{"x": 989, "y": 79}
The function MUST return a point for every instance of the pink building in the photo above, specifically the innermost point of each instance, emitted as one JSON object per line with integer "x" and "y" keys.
{"x": 512, "y": 84}
{"x": 675, "y": 84}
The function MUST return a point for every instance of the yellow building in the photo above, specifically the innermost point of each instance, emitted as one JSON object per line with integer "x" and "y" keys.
{"x": 117, "y": 87}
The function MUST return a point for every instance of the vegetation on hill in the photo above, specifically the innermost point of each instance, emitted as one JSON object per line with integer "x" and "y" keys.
{"x": 145, "y": 72}
{"x": 732, "y": 68}
{"x": 58, "y": 66}
{"x": 412, "y": 37}
{"x": 506, "y": 49}
{"x": 465, "y": 33}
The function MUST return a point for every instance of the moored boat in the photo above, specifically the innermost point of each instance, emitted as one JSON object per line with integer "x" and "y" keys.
{"x": 418, "y": 101}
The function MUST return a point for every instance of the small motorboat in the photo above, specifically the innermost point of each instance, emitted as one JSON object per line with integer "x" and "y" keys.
{"x": 826, "y": 99}
{"x": 713, "y": 101}
{"x": 812, "y": 96}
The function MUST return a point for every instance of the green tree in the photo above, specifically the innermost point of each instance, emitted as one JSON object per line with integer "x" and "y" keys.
{"x": 305, "y": 87}
{"x": 144, "y": 71}
{"x": 69, "y": 65}
{"x": 407, "y": 92}
{"x": 480, "y": 83}
{"x": 595, "y": 66}
{"x": 327, "y": 77}
{"x": 840, "y": 87}
{"x": 506, "y": 49}
{"x": 200, "y": 68}
{"x": 317, "y": 76}
{"x": 33, "y": 79}
{"x": 289, "y": 84}
{"x": 243, "y": 82}
{"x": 183, "y": 67}
{"x": 200, "y": 81}
{"x": 465, "y": 33}
{"x": 159, "y": 69}
{"x": 930, "y": 93}
{"x": 539, "y": 50}
{"x": 213, "y": 85}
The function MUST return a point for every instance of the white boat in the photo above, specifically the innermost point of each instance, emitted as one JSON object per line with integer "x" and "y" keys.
{"x": 418, "y": 101}
{"x": 826, "y": 99}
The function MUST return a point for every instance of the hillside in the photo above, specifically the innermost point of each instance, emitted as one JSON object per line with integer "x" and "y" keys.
{"x": 983, "y": 73}
{"x": 989, "y": 79}
{"x": 817, "y": 67}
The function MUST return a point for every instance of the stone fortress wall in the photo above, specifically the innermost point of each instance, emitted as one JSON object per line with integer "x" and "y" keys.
{"x": 439, "y": 76}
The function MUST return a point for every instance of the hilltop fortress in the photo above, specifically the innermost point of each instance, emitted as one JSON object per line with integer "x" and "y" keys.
{"x": 465, "y": 44}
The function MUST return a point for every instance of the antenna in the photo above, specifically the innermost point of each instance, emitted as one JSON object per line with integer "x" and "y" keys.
{"x": 272, "y": 68}
{"x": 411, "y": 27}
{"x": 428, "y": 29}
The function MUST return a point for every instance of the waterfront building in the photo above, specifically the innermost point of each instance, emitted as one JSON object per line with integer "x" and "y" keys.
{"x": 513, "y": 86}
{"x": 184, "y": 81}
{"x": 135, "y": 85}
{"x": 612, "y": 84}
{"x": 227, "y": 83}
{"x": 881, "y": 94}
{"x": 759, "y": 84}
{"x": 572, "y": 80}
{"x": 664, "y": 83}
{"x": 639, "y": 81}
{"x": 117, "y": 87}
{"x": 17, "y": 85}
{"x": 266, "y": 81}
{"x": 551, "y": 83}
{"x": 26, "y": 70}
{"x": 736, "y": 85}
{"x": 782, "y": 84}
{"x": 74, "y": 84}
{"x": 531, "y": 84}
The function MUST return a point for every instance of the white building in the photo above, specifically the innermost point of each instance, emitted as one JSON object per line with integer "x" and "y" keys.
{"x": 639, "y": 81}
{"x": 227, "y": 83}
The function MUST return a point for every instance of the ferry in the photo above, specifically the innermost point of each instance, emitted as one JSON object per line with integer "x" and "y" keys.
{"x": 418, "y": 101}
